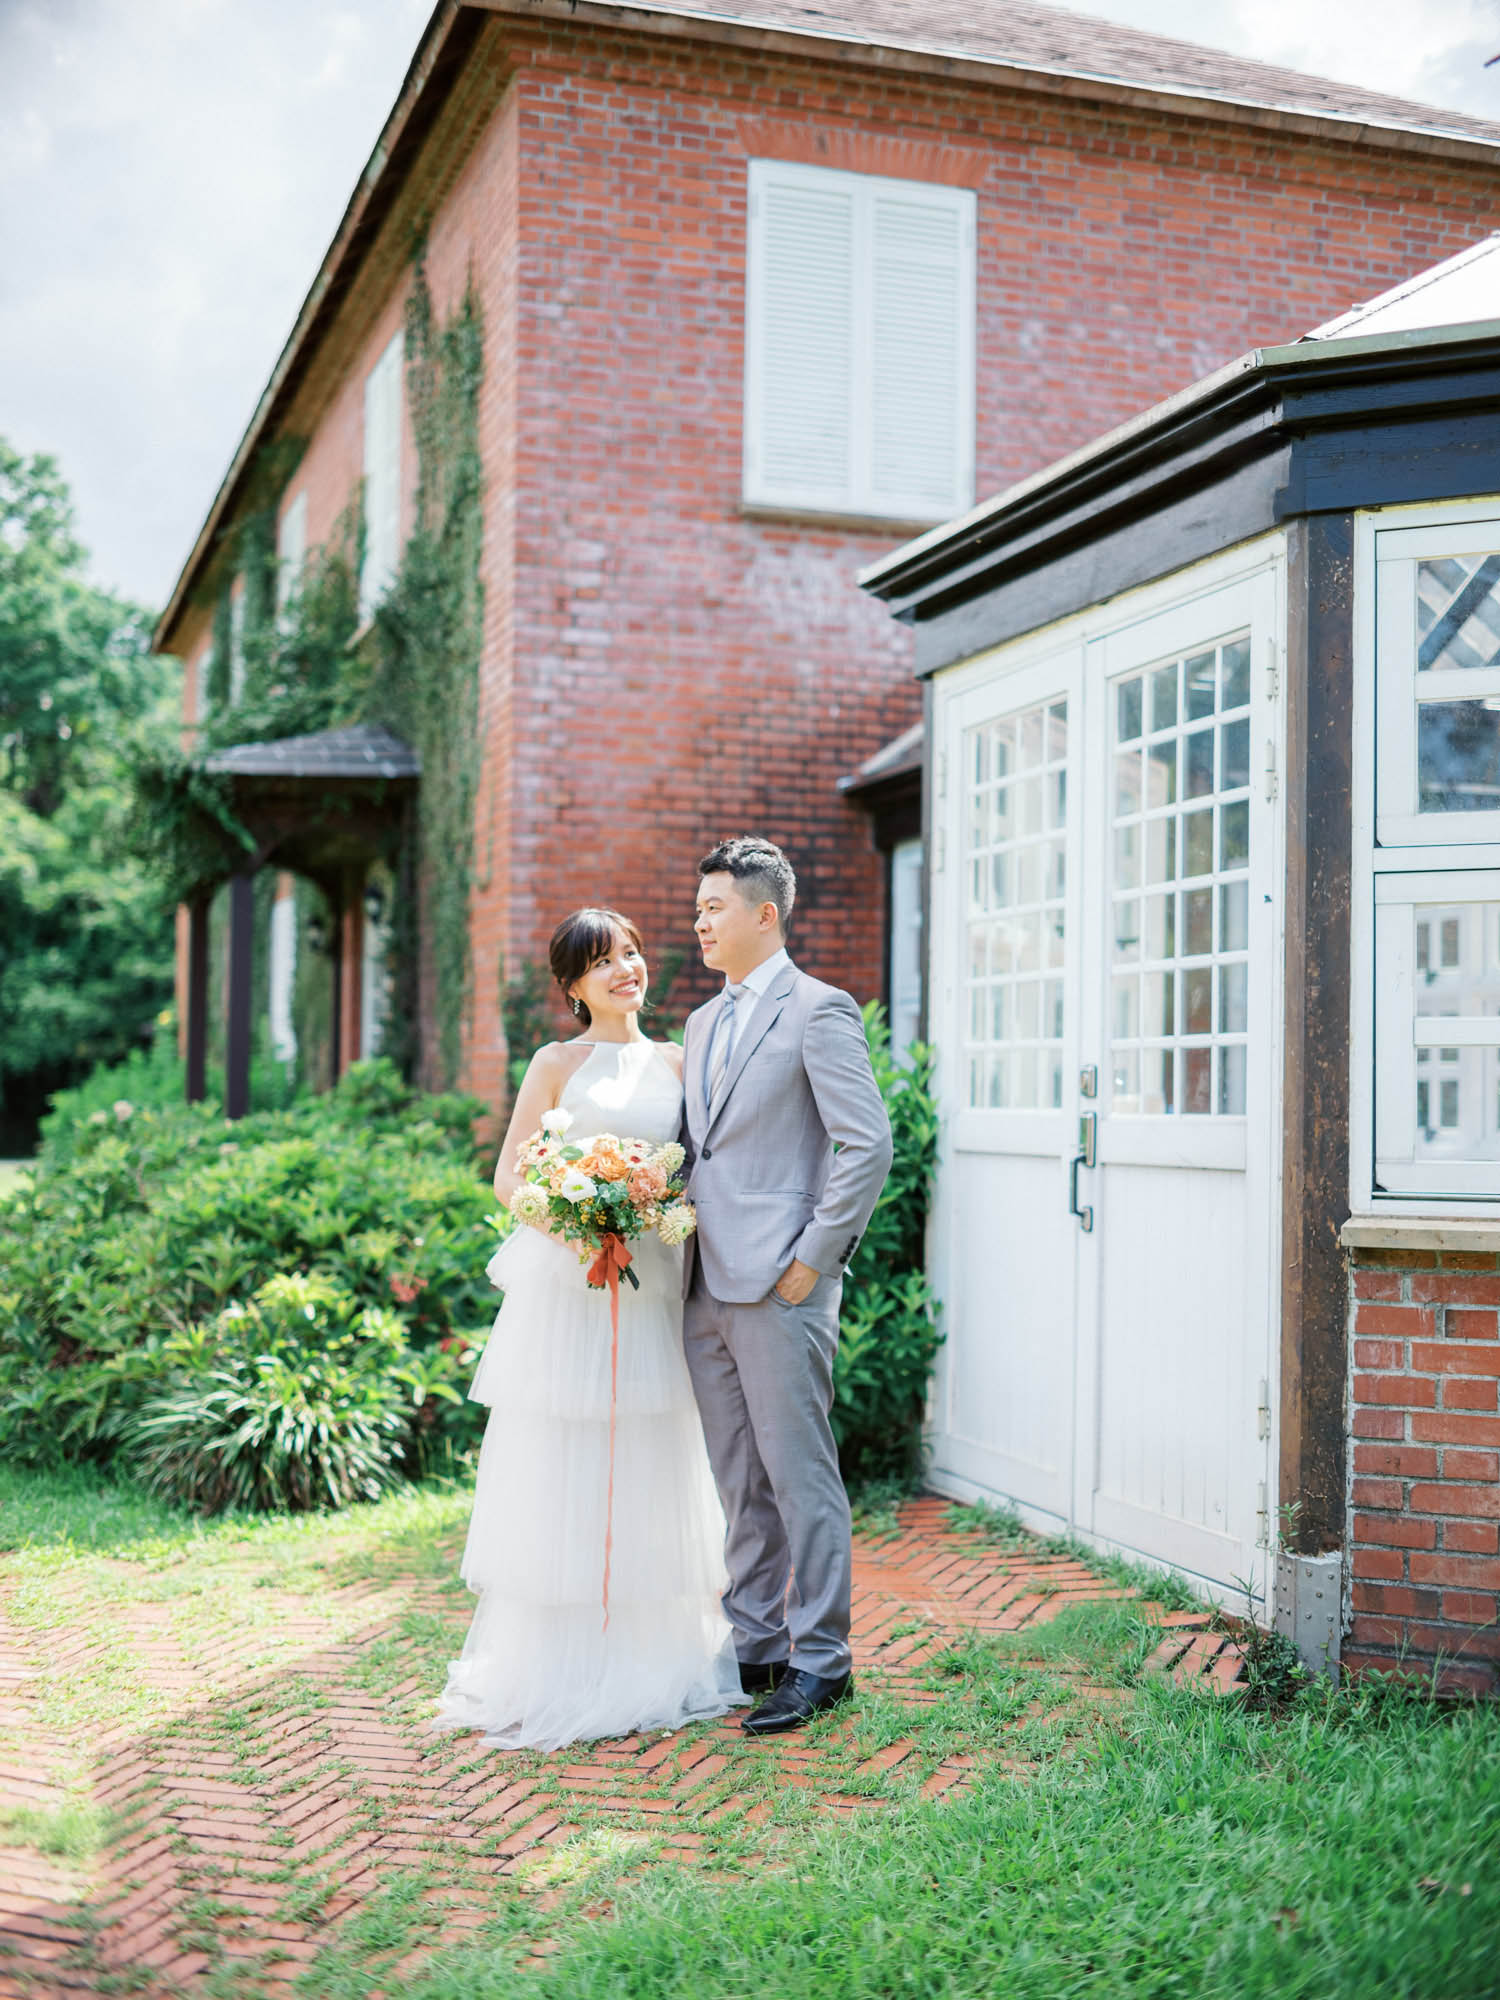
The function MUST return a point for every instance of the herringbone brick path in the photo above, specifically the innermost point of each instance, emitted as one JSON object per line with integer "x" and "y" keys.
{"x": 288, "y": 1782}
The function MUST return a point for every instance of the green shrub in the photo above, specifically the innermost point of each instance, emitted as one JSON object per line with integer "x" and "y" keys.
{"x": 888, "y": 1331}
{"x": 297, "y": 1399}
{"x": 136, "y": 1231}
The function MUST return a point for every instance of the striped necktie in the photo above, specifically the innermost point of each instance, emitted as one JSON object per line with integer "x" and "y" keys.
{"x": 723, "y": 1044}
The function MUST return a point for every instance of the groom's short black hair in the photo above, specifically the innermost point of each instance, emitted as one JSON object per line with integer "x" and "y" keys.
{"x": 761, "y": 871}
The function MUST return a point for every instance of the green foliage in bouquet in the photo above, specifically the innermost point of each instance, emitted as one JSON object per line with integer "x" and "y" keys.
{"x": 888, "y": 1330}
{"x": 141, "y": 1224}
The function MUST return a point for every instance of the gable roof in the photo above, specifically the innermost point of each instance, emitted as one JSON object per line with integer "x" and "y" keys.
{"x": 1009, "y": 42}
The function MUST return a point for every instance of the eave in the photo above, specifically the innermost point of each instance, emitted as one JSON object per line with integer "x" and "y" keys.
{"x": 1254, "y": 408}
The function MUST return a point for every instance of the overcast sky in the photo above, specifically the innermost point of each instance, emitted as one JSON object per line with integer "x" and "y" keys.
{"x": 172, "y": 171}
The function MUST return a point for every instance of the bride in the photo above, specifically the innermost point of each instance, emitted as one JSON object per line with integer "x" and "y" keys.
{"x": 545, "y": 1663}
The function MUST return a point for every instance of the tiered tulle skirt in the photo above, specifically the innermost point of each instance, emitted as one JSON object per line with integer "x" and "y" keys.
{"x": 541, "y": 1667}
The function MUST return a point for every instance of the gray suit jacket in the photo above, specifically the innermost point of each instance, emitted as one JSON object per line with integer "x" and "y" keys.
{"x": 763, "y": 1173}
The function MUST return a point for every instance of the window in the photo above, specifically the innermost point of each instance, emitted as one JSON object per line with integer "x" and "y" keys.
{"x": 236, "y": 640}
{"x": 906, "y": 946}
{"x": 859, "y": 344}
{"x": 1180, "y": 966}
{"x": 291, "y": 549}
{"x": 382, "y": 477}
{"x": 1436, "y": 860}
{"x": 1015, "y": 842}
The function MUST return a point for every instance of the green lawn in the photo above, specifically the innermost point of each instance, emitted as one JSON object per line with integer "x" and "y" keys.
{"x": 1152, "y": 1841}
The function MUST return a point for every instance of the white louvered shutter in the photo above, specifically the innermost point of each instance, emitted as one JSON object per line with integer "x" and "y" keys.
{"x": 291, "y": 549}
{"x": 859, "y": 339}
{"x": 921, "y": 363}
{"x": 382, "y": 476}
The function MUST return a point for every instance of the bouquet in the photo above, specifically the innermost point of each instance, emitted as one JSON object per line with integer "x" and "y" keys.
{"x": 601, "y": 1195}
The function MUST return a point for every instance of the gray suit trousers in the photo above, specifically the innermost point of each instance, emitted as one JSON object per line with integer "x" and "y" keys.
{"x": 764, "y": 1378}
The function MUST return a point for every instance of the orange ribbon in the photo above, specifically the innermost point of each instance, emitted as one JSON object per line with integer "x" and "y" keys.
{"x": 613, "y": 1259}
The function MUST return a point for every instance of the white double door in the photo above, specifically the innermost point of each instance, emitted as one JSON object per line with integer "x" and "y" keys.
{"x": 1104, "y": 993}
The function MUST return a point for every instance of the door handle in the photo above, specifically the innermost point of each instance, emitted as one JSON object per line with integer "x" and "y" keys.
{"x": 1088, "y": 1129}
{"x": 1085, "y": 1214}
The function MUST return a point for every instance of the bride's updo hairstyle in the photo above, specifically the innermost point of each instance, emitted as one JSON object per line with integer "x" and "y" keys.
{"x": 580, "y": 941}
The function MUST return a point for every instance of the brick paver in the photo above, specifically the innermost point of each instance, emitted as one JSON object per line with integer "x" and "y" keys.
{"x": 249, "y": 1830}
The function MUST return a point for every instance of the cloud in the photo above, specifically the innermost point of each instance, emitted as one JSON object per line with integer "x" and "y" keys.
{"x": 173, "y": 172}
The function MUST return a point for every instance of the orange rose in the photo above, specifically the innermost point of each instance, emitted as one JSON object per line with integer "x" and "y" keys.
{"x": 647, "y": 1184}
{"x": 606, "y": 1165}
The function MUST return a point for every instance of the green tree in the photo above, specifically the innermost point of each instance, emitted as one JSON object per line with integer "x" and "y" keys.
{"x": 85, "y": 938}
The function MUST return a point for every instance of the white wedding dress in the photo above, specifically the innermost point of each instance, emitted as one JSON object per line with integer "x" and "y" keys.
{"x": 541, "y": 1667}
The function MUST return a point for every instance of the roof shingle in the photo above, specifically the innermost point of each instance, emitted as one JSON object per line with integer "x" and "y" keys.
{"x": 1017, "y": 34}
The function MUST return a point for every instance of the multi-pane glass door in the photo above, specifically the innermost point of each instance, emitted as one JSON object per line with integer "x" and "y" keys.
{"x": 1104, "y": 960}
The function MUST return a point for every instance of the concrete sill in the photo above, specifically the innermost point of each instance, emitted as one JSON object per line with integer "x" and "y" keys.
{"x": 1400, "y": 1232}
{"x": 895, "y": 532}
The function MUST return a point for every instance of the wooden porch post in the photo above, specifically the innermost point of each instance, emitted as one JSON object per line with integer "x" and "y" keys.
{"x": 197, "y": 998}
{"x": 352, "y": 958}
{"x": 237, "y": 1038}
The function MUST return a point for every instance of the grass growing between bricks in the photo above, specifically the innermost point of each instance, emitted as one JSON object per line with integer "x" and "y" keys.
{"x": 234, "y": 1714}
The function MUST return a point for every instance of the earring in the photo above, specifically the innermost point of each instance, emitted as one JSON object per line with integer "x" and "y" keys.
{"x": 577, "y": 1005}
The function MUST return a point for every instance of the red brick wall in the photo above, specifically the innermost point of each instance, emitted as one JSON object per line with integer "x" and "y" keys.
{"x": 1425, "y": 1492}
{"x": 660, "y": 668}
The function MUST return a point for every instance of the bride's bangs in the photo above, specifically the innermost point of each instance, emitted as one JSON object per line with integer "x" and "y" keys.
{"x": 581, "y": 940}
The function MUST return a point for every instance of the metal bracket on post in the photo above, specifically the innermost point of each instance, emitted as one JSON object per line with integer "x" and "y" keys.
{"x": 1309, "y": 1608}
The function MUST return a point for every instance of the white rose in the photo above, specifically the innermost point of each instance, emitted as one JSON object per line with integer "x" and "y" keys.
{"x": 557, "y": 1121}
{"x": 576, "y": 1186}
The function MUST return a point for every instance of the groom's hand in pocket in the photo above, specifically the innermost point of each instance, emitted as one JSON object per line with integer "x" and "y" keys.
{"x": 795, "y": 1282}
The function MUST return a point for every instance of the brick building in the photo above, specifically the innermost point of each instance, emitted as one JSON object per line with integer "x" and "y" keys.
{"x": 1214, "y": 981}
{"x": 763, "y": 292}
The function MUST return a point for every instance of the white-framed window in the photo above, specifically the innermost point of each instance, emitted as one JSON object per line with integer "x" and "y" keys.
{"x": 382, "y": 464}
{"x": 291, "y": 549}
{"x": 906, "y": 945}
{"x": 859, "y": 344}
{"x": 1015, "y": 863}
{"x": 1427, "y": 881}
{"x": 1180, "y": 868}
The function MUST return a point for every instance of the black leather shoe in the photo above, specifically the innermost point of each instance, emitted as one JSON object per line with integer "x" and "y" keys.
{"x": 800, "y": 1696}
{"x": 761, "y": 1677}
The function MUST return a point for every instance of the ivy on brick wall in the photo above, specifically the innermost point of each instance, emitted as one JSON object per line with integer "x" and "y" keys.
{"x": 307, "y": 667}
{"x": 424, "y": 685}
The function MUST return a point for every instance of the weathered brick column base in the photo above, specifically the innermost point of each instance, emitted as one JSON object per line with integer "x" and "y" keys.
{"x": 1424, "y": 1514}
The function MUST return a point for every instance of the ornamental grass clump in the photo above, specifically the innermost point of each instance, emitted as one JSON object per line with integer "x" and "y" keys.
{"x": 295, "y": 1400}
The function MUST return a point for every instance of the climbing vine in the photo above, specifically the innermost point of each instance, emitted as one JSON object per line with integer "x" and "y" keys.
{"x": 307, "y": 666}
{"x": 424, "y": 686}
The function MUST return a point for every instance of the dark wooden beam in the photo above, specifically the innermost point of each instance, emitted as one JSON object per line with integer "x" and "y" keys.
{"x": 197, "y": 999}
{"x": 237, "y": 1037}
{"x": 1315, "y": 1140}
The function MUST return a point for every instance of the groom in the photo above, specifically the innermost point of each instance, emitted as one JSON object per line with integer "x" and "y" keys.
{"x": 776, "y": 1073}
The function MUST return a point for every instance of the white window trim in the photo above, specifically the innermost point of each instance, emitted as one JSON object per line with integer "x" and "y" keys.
{"x": 1434, "y": 862}
{"x": 858, "y": 499}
